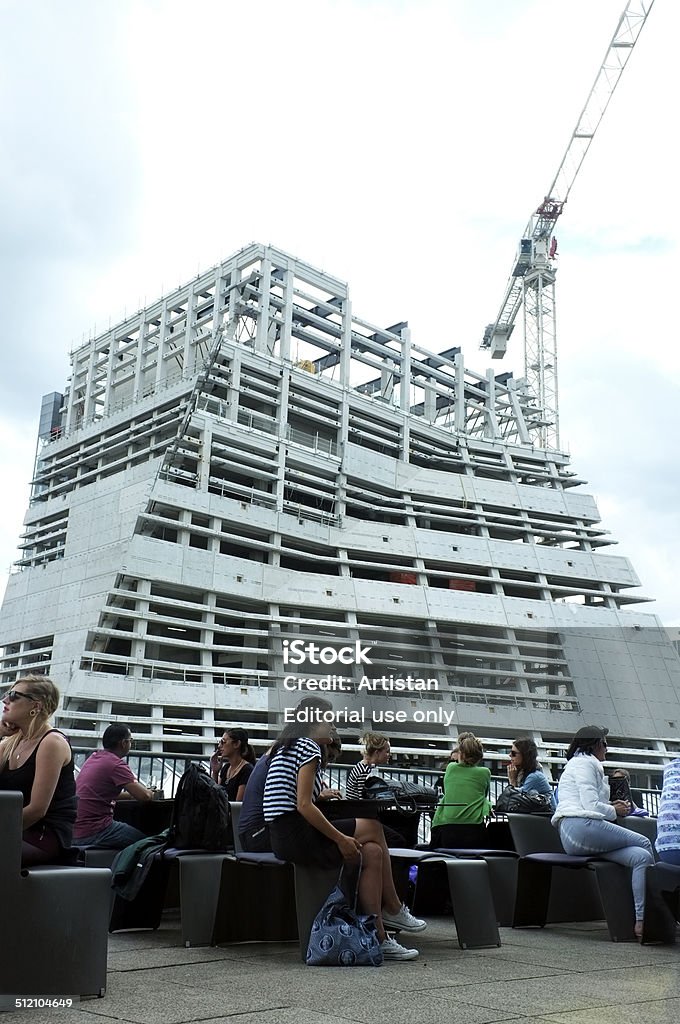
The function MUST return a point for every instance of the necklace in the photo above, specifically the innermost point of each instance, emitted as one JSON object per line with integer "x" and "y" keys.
{"x": 19, "y": 753}
{"x": 231, "y": 772}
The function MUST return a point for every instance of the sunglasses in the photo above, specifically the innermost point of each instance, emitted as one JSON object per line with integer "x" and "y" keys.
{"x": 514, "y": 753}
{"x": 13, "y": 695}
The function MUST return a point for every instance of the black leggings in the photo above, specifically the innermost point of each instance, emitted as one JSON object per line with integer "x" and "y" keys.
{"x": 454, "y": 837}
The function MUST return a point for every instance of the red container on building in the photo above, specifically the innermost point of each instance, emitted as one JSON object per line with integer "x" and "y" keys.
{"x": 462, "y": 585}
{"x": 403, "y": 577}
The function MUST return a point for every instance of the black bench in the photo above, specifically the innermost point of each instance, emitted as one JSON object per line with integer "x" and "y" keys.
{"x": 541, "y": 852}
{"x": 662, "y": 903}
{"x": 465, "y": 881}
{"x": 44, "y": 905}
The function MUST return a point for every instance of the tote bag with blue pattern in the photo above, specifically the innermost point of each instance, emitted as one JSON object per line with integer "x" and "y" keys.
{"x": 341, "y": 937}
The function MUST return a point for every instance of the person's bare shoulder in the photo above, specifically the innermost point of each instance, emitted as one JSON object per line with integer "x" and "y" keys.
{"x": 54, "y": 740}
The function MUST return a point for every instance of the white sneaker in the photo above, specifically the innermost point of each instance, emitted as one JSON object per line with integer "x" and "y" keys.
{"x": 403, "y": 920}
{"x": 391, "y": 950}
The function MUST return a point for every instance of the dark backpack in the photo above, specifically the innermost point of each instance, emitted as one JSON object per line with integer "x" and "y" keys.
{"x": 201, "y": 817}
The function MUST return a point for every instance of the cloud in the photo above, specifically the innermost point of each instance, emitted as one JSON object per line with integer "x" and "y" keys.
{"x": 398, "y": 145}
{"x": 68, "y": 180}
{"x": 622, "y": 419}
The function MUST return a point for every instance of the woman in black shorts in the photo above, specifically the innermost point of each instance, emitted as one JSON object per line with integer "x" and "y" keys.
{"x": 300, "y": 833}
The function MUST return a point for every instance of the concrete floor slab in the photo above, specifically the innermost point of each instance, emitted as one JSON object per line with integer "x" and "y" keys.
{"x": 656, "y": 1011}
{"x": 564, "y": 974}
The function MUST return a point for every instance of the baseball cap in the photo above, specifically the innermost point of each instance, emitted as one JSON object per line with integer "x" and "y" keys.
{"x": 590, "y": 733}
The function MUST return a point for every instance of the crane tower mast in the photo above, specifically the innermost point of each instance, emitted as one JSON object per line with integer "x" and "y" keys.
{"x": 531, "y": 284}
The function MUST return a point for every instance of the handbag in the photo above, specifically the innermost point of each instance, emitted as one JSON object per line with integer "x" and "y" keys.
{"x": 340, "y": 937}
{"x": 409, "y": 797}
{"x": 515, "y": 801}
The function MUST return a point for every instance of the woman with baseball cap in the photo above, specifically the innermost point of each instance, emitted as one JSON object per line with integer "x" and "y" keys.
{"x": 585, "y": 817}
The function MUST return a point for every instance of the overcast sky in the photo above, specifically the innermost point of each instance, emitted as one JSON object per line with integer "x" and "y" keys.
{"x": 398, "y": 144}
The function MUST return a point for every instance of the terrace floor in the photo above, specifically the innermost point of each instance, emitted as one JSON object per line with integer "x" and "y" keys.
{"x": 565, "y": 974}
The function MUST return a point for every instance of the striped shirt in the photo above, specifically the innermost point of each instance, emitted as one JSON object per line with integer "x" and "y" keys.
{"x": 668, "y": 821}
{"x": 280, "y": 790}
{"x": 354, "y": 788}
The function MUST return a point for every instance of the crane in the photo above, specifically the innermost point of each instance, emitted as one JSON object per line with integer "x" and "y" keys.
{"x": 531, "y": 284}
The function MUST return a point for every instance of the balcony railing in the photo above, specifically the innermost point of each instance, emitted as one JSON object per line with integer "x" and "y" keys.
{"x": 165, "y": 770}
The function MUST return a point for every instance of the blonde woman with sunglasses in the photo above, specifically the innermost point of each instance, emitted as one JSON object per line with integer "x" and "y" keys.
{"x": 37, "y": 760}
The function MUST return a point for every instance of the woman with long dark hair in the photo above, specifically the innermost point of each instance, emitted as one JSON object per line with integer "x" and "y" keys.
{"x": 524, "y": 770}
{"x": 585, "y": 817}
{"x": 300, "y": 833}
{"x": 232, "y": 763}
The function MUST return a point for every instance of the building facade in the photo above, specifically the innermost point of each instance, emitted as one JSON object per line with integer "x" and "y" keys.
{"x": 246, "y": 462}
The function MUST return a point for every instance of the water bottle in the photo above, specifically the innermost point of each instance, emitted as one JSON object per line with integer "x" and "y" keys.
{"x": 412, "y": 880}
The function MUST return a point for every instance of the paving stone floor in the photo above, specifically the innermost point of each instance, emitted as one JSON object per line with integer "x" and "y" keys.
{"x": 565, "y": 974}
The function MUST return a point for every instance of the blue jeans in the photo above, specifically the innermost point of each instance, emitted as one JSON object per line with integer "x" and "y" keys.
{"x": 584, "y": 837}
{"x": 115, "y": 836}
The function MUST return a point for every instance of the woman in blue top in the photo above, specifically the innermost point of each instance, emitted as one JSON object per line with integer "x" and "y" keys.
{"x": 524, "y": 772}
